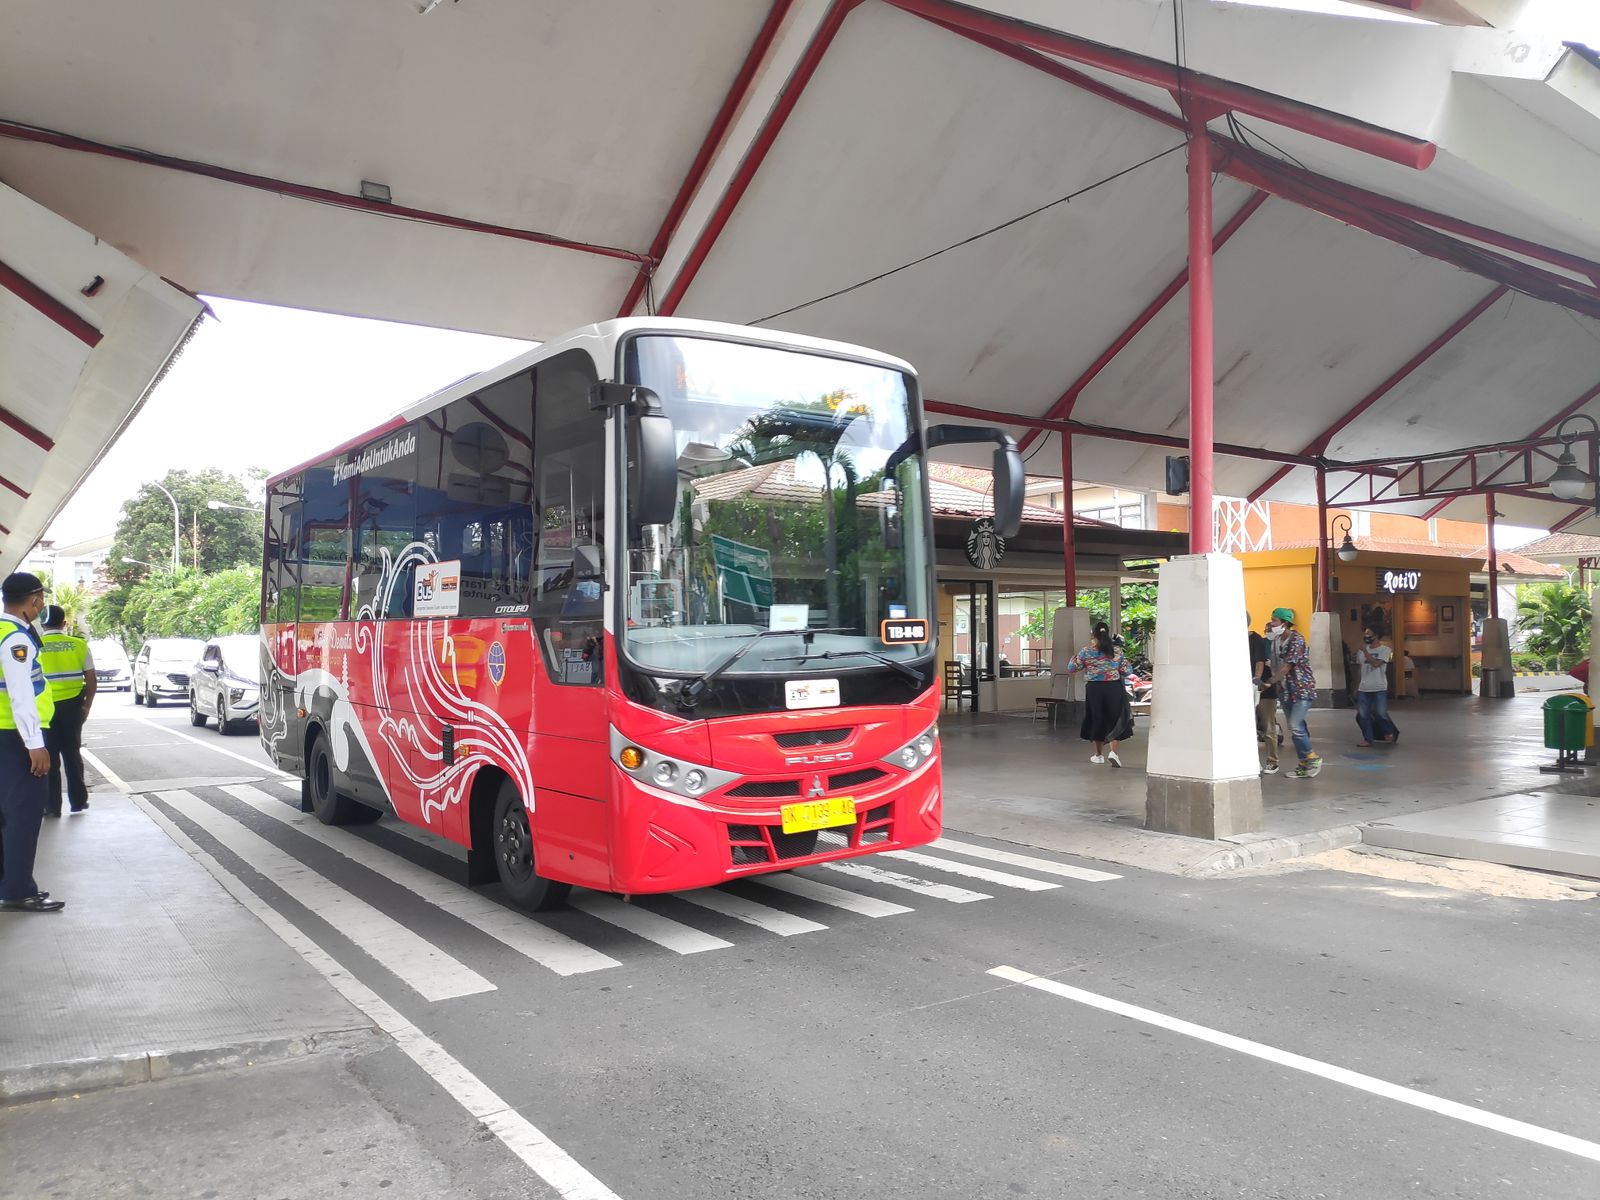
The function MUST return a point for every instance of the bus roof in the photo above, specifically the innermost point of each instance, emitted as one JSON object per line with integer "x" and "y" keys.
{"x": 596, "y": 337}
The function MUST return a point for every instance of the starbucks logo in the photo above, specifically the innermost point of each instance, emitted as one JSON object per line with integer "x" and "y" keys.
{"x": 985, "y": 546}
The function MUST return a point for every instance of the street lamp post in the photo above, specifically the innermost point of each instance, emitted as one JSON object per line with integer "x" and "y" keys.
{"x": 177, "y": 553}
{"x": 216, "y": 505}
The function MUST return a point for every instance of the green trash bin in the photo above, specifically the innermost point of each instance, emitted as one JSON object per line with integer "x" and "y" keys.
{"x": 1568, "y": 723}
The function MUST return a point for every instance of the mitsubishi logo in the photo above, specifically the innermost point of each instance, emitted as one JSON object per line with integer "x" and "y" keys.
{"x": 816, "y": 787}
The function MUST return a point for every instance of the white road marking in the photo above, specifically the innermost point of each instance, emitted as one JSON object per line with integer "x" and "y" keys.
{"x": 1003, "y": 878}
{"x": 415, "y": 961}
{"x": 653, "y": 927}
{"x": 1311, "y": 1066}
{"x": 526, "y": 936}
{"x": 972, "y": 850}
{"x": 910, "y": 883}
{"x": 550, "y": 1162}
{"x": 771, "y": 919}
{"x": 291, "y": 784}
{"x": 257, "y": 765}
{"x": 825, "y": 893}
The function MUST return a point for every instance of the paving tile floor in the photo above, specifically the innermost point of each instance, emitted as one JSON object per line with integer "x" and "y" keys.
{"x": 1544, "y": 831}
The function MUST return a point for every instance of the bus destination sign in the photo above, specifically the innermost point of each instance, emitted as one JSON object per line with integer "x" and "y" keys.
{"x": 905, "y": 631}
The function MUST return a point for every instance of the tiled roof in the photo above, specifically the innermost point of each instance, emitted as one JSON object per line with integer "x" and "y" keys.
{"x": 1562, "y": 545}
{"x": 1511, "y": 561}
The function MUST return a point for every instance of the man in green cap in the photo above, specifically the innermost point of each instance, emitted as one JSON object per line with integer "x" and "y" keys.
{"x": 1297, "y": 687}
{"x": 25, "y": 711}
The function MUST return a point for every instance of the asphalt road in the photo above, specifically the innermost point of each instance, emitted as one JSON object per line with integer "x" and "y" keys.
{"x": 1300, "y": 1034}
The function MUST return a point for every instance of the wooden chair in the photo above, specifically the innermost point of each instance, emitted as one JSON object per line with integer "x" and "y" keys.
{"x": 954, "y": 677}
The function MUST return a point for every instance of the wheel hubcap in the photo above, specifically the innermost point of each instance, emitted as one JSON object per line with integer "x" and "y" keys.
{"x": 516, "y": 849}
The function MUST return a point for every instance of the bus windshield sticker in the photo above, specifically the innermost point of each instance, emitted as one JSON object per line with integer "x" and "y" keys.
{"x": 811, "y": 693}
{"x": 437, "y": 590}
{"x": 905, "y": 631}
{"x": 789, "y": 616}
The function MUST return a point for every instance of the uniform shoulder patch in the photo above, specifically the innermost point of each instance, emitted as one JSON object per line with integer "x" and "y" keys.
{"x": 20, "y": 653}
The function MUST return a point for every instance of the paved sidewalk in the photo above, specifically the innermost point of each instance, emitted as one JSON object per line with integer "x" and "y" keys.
{"x": 1011, "y": 777}
{"x": 151, "y": 970}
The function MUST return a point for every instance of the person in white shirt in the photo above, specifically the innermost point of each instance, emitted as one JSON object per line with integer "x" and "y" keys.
{"x": 1372, "y": 692}
{"x": 25, "y": 710}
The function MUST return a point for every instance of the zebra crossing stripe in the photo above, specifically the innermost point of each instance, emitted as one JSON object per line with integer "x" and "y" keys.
{"x": 824, "y": 893}
{"x": 771, "y": 919}
{"x": 545, "y": 946}
{"x": 1003, "y": 878}
{"x": 653, "y": 927}
{"x": 923, "y": 887}
{"x": 1043, "y": 865}
{"x": 416, "y": 962}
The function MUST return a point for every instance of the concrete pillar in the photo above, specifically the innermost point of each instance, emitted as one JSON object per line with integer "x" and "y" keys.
{"x": 1116, "y": 607}
{"x": 1325, "y": 641}
{"x": 1496, "y": 656}
{"x": 1203, "y": 776}
{"x": 1593, "y": 689}
{"x": 1068, "y": 634}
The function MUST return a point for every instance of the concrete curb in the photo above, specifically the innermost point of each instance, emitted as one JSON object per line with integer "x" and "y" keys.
{"x": 1264, "y": 851}
{"x": 44, "y": 1081}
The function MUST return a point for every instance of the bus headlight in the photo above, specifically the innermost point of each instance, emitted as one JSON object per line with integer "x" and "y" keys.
{"x": 694, "y": 781}
{"x": 666, "y": 772}
{"x": 631, "y": 757}
{"x": 917, "y": 751}
{"x": 909, "y": 757}
{"x": 925, "y": 745}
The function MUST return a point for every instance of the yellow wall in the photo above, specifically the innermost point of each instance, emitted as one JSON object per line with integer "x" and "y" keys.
{"x": 1279, "y": 579}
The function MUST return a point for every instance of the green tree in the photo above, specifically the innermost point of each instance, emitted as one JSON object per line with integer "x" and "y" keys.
{"x": 209, "y": 539}
{"x": 182, "y": 604}
{"x": 1554, "y": 617}
{"x": 1138, "y": 615}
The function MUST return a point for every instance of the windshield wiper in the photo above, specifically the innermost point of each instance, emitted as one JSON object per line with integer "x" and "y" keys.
{"x": 911, "y": 676}
{"x": 689, "y": 695}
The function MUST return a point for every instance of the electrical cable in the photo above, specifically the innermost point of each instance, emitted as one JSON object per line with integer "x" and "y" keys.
{"x": 967, "y": 241}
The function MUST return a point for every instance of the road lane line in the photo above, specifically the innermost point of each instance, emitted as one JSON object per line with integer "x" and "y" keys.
{"x": 1002, "y": 878}
{"x": 910, "y": 883}
{"x": 826, "y": 893}
{"x": 521, "y": 933}
{"x": 544, "y": 1158}
{"x": 653, "y": 927}
{"x": 417, "y": 962}
{"x": 1311, "y": 1066}
{"x": 773, "y": 920}
{"x": 257, "y": 765}
{"x": 1045, "y": 865}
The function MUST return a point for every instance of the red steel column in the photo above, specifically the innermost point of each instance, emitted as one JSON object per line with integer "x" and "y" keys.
{"x": 1324, "y": 590}
{"x": 1494, "y": 560}
{"x": 1069, "y": 548}
{"x": 1201, "y": 334}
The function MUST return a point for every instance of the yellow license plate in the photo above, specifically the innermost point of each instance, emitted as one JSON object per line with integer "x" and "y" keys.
{"x": 819, "y": 814}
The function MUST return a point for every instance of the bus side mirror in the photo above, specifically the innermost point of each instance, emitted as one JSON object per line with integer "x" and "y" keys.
{"x": 1010, "y": 479}
{"x": 651, "y": 450}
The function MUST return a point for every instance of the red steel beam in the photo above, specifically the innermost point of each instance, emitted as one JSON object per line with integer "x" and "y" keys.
{"x": 302, "y": 191}
{"x": 1069, "y": 398}
{"x": 11, "y": 487}
{"x": 1317, "y": 122}
{"x": 738, "y": 92}
{"x": 757, "y": 154}
{"x": 1202, "y": 335}
{"x": 1572, "y": 518}
{"x": 1110, "y": 433}
{"x": 1320, "y": 443}
{"x": 37, "y": 298}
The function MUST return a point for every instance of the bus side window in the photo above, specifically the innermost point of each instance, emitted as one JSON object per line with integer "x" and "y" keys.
{"x": 324, "y": 545}
{"x": 569, "y": 560}
{"x": 383, "y": 520}
{"x": 281, "y": 572}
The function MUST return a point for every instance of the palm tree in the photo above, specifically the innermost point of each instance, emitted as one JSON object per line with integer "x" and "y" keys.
{"x": 1555, "y": 618}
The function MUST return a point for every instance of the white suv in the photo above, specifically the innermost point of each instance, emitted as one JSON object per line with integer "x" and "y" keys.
{"x": 162, "y": 667}
{"x": 226, "y": 682}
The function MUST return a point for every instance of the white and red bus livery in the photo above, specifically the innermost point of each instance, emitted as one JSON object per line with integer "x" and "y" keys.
{"x": 646, "y": 609}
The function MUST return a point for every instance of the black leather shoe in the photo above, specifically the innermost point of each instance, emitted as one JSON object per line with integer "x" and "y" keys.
{"x": 33, "y": 904}
{"x": 56, "y": 813}
{"x": 78, "y": 807}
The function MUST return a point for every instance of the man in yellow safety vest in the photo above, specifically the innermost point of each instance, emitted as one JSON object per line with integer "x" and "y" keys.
{"x": 69, "y": 670}
{"x": 25, "y": 711}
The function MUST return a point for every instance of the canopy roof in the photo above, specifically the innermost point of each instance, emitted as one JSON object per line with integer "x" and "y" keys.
{"x": 1405, "y": 212}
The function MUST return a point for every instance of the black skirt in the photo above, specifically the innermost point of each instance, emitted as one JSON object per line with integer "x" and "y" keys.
{"x": 1104, "y": 703}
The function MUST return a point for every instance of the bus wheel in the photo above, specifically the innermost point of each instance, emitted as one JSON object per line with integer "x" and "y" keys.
{"x": 513, "y": 856}
{"x": 332, "y": 808}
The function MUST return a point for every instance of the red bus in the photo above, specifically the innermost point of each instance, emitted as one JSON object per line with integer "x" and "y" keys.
{"x": 646, "y": 609}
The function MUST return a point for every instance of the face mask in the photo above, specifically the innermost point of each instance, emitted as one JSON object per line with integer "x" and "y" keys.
{"x": 1274, "y": 631}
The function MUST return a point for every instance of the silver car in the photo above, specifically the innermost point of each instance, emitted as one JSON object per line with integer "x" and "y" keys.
{"x": 226, "y": 684}
{"x": 161, "y": 669}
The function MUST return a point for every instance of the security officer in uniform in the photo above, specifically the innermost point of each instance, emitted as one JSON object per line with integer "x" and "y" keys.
{"x": 25, "y": 711}
{"x": 69, "y": 670}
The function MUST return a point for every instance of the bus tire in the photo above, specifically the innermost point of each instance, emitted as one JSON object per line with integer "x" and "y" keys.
{"x": 513, "y": 856}
{"x": 331, "y": 807}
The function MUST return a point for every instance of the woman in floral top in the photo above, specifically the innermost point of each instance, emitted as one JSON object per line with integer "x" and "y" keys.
{"x": 1105, "y": 699}
{"x": 1297, "y": 687}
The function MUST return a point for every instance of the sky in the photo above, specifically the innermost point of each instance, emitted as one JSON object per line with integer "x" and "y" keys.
{"x": 269, "y": 387}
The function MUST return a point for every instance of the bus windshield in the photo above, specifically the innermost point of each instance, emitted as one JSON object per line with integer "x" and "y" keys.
{"x": 801, "y": 507}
